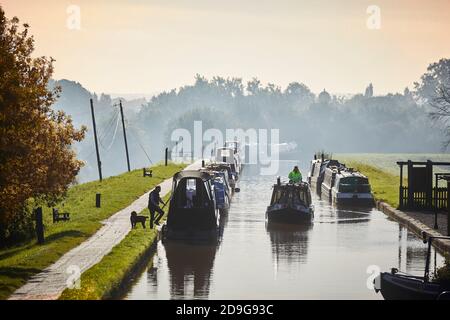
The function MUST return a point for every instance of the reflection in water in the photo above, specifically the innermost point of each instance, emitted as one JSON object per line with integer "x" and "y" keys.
{"x": 328, "y": 260}
{"x": 289, "y": 243}
{"x": 190, "y": 267}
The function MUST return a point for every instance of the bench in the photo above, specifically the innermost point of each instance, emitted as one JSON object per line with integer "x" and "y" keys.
{"x": 147, "y": 173}
{"x": 57, "y": 217}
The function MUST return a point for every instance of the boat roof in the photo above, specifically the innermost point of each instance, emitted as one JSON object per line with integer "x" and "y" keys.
{"x": 351, "y": 173}
{"x": 301, "y": 185}
{"x": 192, "y": 174}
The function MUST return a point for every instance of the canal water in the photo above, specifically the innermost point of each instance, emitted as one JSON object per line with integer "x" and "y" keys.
{"x": 335, "y": 258}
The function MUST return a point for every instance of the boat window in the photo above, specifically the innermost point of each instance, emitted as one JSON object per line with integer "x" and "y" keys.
{"x": 226, "y": 153}
{"x": 354, "y": 185}
{"x": 191, "y": 193}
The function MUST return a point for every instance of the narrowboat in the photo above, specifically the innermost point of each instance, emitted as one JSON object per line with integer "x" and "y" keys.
{"x": 227, "y": 155}
{"x": 317, "y": 172}
{"x": 329, "y": 180}
{"x": 396, "y": 285}
{"x": 224, "y": 167}
{"x": 350, "y": 188}
{"x": 193, "y": 213}
{"x": 290, "y": 203}
{"x": 222, "y": 193}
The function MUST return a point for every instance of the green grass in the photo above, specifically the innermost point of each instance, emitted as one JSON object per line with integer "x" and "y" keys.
{"x": 18, "y": 264}
{"x": 388, "y": 161}
{"x": 385, "y": 185}
{"x": 383, "y": 171}
{"x": 106, "y": 277}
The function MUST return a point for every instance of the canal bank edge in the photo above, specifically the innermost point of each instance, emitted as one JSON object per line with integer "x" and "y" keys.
{"x": 415, "y": 226}
{"x": 133, "y": 254}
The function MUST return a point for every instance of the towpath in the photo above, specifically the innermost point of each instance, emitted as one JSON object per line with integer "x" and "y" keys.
{"x": 52, "y": 281}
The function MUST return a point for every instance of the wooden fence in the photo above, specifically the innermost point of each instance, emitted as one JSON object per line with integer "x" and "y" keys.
{"x": 438, "y": 199}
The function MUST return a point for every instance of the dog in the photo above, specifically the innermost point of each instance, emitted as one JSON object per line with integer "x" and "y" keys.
{"x": 135, "y": 219}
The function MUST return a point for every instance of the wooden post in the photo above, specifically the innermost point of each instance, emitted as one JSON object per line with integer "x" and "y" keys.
{"x": 448, "y": 208}
{"x": 167, "y": 157}
{"x": 98, "y": 198}
{"x": 429, "y": 186}
{"x": 401, "y": 186}
{"x": 99, "y": 163}
{"x": 436, "y": 202}
{"x": 410, "y": 202}
{"x": 125, "y": 136}
{"x": 39, "y": 226}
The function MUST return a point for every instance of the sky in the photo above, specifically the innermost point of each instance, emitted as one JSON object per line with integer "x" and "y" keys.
{"x": 147, "y": 46}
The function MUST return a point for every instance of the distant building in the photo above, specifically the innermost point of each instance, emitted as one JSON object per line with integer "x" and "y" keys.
{"x": 324, "y": 97}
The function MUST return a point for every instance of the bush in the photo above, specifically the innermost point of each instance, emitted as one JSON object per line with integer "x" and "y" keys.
{"x": 19, "y": 230}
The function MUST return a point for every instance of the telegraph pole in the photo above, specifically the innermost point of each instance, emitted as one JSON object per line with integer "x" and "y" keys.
{"x": 99, "y": 163}
{"x": 125, "y": 136}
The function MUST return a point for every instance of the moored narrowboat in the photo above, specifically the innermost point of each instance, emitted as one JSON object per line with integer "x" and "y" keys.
{"x": 396, "y": 285}
{"x": 351, "y": 188}
{"x": 193, "y": 213}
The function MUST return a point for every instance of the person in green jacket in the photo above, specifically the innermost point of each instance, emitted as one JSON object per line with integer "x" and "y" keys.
{"x": 295, "y": 176}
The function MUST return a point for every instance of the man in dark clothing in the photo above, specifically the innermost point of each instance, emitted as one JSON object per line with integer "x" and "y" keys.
{"x": 153, "y": 205}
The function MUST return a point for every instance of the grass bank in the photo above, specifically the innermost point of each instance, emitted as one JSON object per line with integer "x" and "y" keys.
{"x": 19, "y": 263}
{"x": 106, "y": 279}
{"x": 385, "y": 185}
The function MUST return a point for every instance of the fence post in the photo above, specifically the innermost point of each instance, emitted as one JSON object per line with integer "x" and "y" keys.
{"x": 410, "y": 202}
{"x": 448, "y": 208}
{"x": 39, "y": 226}
{"x": 401, "y": 187}
{"x": 429, "y": 187}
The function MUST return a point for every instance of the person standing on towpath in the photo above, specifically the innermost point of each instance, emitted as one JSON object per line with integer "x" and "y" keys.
{"x": 295, "y": 176}
{"x": 154, "y": 200}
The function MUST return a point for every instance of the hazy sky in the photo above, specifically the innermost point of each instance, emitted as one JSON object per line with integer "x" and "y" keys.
{"x": 142, "y": 46}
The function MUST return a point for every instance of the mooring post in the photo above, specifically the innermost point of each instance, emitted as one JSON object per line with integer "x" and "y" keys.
{"x": 98, "y": 198}
{"x": 39, "y": 225}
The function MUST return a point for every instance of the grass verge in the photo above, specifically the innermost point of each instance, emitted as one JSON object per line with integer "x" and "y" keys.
{"x": 385, "y": 185}
{"x": 105, "y": 279}
{"x": 19, "y": 263}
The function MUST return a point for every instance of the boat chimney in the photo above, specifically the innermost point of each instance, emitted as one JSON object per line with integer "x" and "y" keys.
{"x": 323, "y": 156}
{"x": 315, "y": 156}
{"x": 279, "y": 181}
{"x": 203, "y": 163}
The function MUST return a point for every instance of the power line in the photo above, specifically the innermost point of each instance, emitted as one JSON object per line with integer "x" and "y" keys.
{"x": 135, "y": 135}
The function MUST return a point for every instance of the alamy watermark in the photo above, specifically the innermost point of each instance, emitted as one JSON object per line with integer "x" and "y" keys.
{"x": 262, "y": 145}
{"x": 374, "y": 20}
{"x": 73, "y": 21}
{"x": 74, "y": 279}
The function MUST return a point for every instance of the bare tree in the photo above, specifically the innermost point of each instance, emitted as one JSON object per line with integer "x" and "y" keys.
{"x": 441, "y": 111}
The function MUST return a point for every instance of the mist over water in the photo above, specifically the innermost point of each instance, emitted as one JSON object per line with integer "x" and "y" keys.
{"x": 307, "y": 123}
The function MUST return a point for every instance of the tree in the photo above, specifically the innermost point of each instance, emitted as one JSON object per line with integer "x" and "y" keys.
{"x": 36, "y": 160}
{"x": 431, "y": 82}
{"x": 441, "y": 111}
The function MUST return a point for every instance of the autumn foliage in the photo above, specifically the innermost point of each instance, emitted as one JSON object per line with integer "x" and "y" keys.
{"x": 36, "y": 160}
